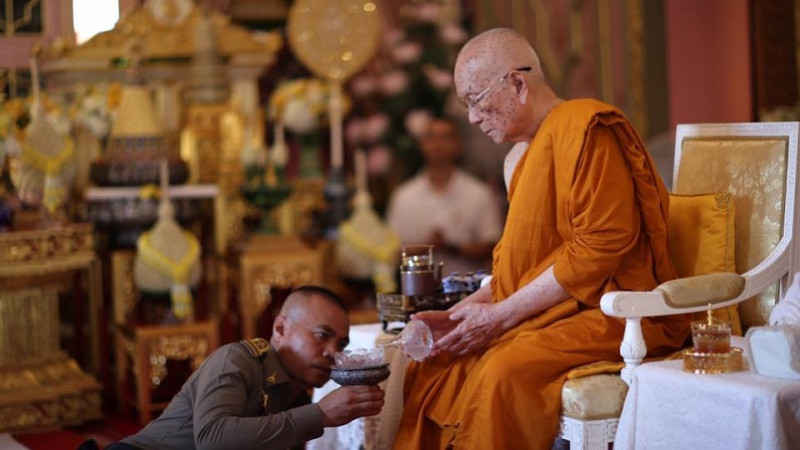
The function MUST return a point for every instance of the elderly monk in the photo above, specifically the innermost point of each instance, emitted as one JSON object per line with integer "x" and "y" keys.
{"x": 587, "y": 215}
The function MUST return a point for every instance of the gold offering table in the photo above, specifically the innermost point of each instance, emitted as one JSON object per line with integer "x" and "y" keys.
{"x": 282, "y": 262}
{"x": 40, "y": 386}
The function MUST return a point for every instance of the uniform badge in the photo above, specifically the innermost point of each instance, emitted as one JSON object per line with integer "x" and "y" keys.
{"x": 271, "y": 378}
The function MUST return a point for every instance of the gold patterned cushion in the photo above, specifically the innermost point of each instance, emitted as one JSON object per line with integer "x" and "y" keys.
{"x": 702, "y": 241}
{"x": 753, "y": 171}
{"x": 594, "y": 397}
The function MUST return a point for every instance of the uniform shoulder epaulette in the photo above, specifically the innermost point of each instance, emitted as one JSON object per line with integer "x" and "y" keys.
{"x": 257, "y": 347}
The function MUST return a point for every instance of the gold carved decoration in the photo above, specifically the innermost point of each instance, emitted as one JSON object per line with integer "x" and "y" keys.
{"x": 47, "y": 395}
{"x": 161, "y": 41}
{"x": 176, "y": 347}
{"x": 279, "y": 275}
{"x": 334, "y": 39}
{"x": 48, "y": 249}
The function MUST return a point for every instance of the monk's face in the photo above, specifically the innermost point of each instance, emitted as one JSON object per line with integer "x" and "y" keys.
{"x": 493, "y": 99}
{"x": 440, "y": 144}
{"x": 307, "y": 337}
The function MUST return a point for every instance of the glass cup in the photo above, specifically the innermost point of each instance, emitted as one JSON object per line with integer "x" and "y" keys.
{"x": 416, "y": 340}
{"x": 417, "y": 257}
{"x": 711, "y": 336}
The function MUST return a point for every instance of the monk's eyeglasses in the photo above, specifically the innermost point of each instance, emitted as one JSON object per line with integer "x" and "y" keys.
{"x": 473, "y": 102}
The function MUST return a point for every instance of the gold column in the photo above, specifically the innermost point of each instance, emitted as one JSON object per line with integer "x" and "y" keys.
{"x": 40, "y": 386}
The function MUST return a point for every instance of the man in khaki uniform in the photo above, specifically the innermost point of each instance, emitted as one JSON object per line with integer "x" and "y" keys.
{"x": 253, "y": 394}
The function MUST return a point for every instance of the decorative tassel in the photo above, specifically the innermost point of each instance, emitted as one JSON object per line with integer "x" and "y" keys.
{"x": 182, "y": 305}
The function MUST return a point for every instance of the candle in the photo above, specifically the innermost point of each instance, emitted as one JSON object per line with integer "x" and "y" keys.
{"x": 337, "y": 156}
{"x": 710, "y": 335}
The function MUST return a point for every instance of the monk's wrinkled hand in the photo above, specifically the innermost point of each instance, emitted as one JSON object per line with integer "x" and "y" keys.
{"x": 478, "y": 325}
{"x": 438, "y": 321}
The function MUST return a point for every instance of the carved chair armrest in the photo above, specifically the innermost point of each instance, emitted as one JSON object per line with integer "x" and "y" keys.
{"x": 685, "y": 295}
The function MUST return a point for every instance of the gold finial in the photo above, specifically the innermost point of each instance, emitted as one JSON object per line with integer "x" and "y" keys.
{"x": 709, "y": 316}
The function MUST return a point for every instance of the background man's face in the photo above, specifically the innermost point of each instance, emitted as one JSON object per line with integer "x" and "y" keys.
{"x": 440, "y": 144}
{"x": 310, "y": 337}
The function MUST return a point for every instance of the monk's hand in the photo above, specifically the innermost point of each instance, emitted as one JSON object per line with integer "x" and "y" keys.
{"x": 478, "y": 325}
{"x": 350, "y": 402}
{"x": 438, "y": 321}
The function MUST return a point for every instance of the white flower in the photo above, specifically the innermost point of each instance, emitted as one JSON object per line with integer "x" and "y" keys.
{"x": 253, "y": 155}
{"x": 298, "y": 116}
{"x": 407, "y": 53}
{"x": 394, "y": 82}
{"x": 440, "y": 79}
{"x": 452, "y": 34}
{"x": 280, "y": 153}
{"x": 97, "y": 125}
{"x": 417, "y": 122}
{"x": 60, "y": 122}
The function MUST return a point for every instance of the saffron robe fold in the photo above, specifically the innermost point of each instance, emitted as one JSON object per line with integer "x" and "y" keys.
{"x": 586, "y": 199}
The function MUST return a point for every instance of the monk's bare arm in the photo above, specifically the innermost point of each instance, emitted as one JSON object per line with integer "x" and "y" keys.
{"x": 538, "y": 295}
{"x": 480, "y": 323}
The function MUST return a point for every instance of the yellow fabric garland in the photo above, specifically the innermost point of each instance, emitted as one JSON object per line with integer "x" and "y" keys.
{"x": 384, "y": 253}
{"x": 49, "y": 165}
{"x": 382, "y": 275}
{"x": 178, "y": 271}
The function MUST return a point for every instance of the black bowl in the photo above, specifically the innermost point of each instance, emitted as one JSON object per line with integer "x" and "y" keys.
{"x": 360, "y": 376}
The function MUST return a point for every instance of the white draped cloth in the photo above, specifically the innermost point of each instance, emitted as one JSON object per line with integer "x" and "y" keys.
{"x": 667, "y": 408}
{"x": 372, "y": 433}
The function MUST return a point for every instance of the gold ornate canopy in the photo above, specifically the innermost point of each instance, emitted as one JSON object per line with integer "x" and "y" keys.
{"x": 163, "y": 44}
{"x": 334, "y": 38}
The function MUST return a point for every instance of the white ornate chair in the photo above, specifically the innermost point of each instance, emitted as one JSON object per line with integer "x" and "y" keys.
{"x": 757, "y": 164}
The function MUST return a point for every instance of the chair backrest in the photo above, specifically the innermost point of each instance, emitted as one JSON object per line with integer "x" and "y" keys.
{"x": 757, "y": 164}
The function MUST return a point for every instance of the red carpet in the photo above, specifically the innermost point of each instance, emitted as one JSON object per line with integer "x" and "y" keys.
{"x": 104, "y": 432}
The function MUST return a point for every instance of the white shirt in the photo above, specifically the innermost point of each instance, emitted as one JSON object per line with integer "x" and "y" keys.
{"x": 464, "y": 212}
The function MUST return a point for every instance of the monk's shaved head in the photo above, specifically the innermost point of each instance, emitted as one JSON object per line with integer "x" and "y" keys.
{"x": 501, "y": 68}
{"x": 491, "y": 54}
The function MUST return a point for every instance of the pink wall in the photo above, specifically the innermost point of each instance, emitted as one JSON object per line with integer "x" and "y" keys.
{"x": 708, "y": 61}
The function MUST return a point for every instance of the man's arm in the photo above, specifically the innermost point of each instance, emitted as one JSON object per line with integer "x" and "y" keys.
{"x": 220, "y": 408}
{"x": 221, "y": 396}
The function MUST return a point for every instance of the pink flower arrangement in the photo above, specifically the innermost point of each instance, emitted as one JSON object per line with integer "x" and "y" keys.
{"x": 417, "y": 122}
{"x": 394, "y": 82}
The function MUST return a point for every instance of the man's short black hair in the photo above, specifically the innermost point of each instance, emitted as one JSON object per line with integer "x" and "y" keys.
{"x": 310, "y": 289}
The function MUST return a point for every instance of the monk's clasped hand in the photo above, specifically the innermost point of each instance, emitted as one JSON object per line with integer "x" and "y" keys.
{"x": 478, "y": 325}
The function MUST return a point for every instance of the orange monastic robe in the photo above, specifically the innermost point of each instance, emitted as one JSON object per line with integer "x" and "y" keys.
{"x": 586, "y": 199}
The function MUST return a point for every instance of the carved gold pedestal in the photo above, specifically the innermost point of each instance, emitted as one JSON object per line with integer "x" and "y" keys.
{"x": 274, "y": 262}
{"x": 47, "y": 394}
{"x": 40, "y": 386}
{"x": 145, "y": 349}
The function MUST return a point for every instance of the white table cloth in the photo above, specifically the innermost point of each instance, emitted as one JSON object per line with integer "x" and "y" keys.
{"x": 372, "y": 433}
{"x": 667, "y": 408}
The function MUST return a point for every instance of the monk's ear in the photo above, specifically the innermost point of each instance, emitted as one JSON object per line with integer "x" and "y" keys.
{"x": 520, "y": 86}
{"x": 279, "y": 328}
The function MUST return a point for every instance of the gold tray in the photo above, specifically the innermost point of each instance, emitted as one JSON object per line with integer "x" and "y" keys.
{"x": 713, "y": 363}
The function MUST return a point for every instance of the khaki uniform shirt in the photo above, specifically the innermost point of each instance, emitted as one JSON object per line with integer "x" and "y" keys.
{"x": 239, "y": 398}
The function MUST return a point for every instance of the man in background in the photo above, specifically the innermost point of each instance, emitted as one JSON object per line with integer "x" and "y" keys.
{"x": 446, "y": 207}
